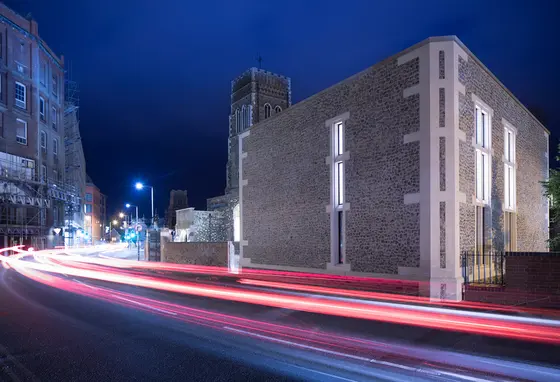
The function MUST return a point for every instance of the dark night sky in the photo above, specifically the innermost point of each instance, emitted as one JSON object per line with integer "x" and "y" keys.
{"x": 155, "y": 76}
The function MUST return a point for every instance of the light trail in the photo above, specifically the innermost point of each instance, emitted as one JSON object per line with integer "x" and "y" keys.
{"x": 404, "y": 357}
{"x": 480, "y": 323}
{"x": 303, "y": 282}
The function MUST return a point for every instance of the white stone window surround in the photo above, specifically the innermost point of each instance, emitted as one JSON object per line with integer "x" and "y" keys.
{"x": 483, "y": 149}
{"x": 510, "y": 167}
{"x": 43, "y": 139}
{"x": 338, "y": 202}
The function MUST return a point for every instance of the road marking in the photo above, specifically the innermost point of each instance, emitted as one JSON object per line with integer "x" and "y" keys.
{"x": 144, "y": 305}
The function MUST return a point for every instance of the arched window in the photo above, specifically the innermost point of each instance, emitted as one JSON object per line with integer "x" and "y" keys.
{"x": 237, "y": 118}
{"x": 243, "y": 118}
{"x": 267, "y": 110}
{"x": 277, "y": 109}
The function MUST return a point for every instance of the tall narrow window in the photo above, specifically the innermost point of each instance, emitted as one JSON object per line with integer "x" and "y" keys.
{"x": 44, "y": 141}
{"x": 43, "y": 173}
{"x": 243, "y": 118}
{"x": 509, "y": 169}
{"x": 277, "y": 109}
{"x": 55, "y": 85}
{"x": 55, "y": 147}
{"x": 21, "y": 131}
{"x": 338, "y": 187}
{"x": 54, "y": 118}
{"x": 249, "y": 115}
{"x": 237, "y": 121}
{"x": 21, "y": 95}
{"x": 43, "y": 73}
{"x": 483, "y": 155}
{"x": 42, "y": 108}
{"x": 267, "y": 110}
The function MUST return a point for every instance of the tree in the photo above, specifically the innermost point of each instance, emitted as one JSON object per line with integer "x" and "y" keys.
{"x": 552, "y": 191}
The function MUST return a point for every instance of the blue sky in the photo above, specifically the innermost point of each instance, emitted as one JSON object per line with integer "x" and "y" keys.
{"x": 155, "y": 75}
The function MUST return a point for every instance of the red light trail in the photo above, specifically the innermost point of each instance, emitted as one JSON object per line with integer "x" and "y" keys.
{"x": 443, "y": 319}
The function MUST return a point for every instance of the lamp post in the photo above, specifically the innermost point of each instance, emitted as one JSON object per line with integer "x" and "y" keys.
{"x": 128, "y": 205}
{"x": 140, "y": 186}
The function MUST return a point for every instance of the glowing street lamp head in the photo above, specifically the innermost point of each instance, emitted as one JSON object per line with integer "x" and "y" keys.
{"x": 127, "y": 205}
{"x": 115, "y": 222}
{"x": 121, "y": 215}
{"x": 139, "y": 186}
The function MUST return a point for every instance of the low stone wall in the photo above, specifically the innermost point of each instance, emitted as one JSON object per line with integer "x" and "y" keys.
{"x": 214, "y": 254}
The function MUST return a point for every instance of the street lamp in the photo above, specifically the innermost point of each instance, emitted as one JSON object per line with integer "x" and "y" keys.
{"x": 140, "y": 186}
{"x": 121, "y": 215}
{"x": 128, "y": 205}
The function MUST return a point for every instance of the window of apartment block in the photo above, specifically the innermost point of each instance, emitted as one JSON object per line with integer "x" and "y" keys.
{"x": 21, "y": 95}
{"x": 21, "y": 131}
{"x": 55, "y": 85}
{"x": 44, "y": 141}
{"x": 483, "y": 154}
{"x": 88, "y": 208}
{"x": 43, "y": 173}
{"x": 54, "y": 116}
{"x": 89, "y": 197}
{"x": 43, "y": 73}
{"x": 509, "y": 169}
{"x": 42, "y": 108}
{"x": 55, "y": 146}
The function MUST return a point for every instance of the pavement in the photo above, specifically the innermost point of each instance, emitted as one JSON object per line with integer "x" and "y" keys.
{"x": 53, "y": 335}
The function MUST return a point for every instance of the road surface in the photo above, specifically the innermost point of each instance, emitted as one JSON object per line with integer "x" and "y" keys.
{"x": 123, "y": 332}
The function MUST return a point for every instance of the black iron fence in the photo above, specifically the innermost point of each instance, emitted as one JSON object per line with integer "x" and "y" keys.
{"x": 487, "y": 268}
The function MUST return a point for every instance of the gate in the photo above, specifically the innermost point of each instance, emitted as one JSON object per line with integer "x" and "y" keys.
{"x": 154, "y": 245}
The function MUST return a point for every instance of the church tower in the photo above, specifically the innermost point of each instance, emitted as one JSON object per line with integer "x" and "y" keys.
{"x": 255, "y": 96}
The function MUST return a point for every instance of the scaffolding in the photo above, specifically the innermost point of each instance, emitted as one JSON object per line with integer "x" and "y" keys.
{"x": 27, "y": 192}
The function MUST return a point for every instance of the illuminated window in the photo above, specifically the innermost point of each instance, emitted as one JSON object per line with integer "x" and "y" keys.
{"x": 236, "y": 224}
{"x": 338, "y": 192}
{"x": 21, "y": 95}
{"x": 483, "y": 155}
{"x": 509, "y": 169}
{"x": 267, "y": 110}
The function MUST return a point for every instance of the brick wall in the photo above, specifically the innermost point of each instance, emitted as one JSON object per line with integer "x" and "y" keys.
{"x": 214, "y": 254}
{"x": 531, "y": 157}
{"x": 284, "y": 203}
{"x": 530, "y": 280}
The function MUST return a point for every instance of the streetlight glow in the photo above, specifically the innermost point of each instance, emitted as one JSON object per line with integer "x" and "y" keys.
{"x": 121, "y": 215}
{"x": 127, "y": 205}
{"x": 115, "y": 222}
{"x": 139, "y": 186}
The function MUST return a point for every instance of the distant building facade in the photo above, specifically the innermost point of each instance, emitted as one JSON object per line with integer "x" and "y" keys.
{"x": 95, "y": 210}
{"x": 33, "y": 192}
{"x": 393, "y": 172}
{"x": 200, "y": 226}
{"x": 256, "y": 95}
{"x": 178, "y": 200}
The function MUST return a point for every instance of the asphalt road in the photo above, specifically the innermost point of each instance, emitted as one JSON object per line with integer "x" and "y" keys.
{"x": 52, "y": 335}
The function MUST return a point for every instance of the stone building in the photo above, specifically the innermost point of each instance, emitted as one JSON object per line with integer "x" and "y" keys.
{"x": 95, "y": 208}
{"x": 33, "y": 189}
{"x": 256, "y": 95}
{"x": 178, "y": 200}
{"x": 393, "y": 172}
{"x": 200, "y": 226}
